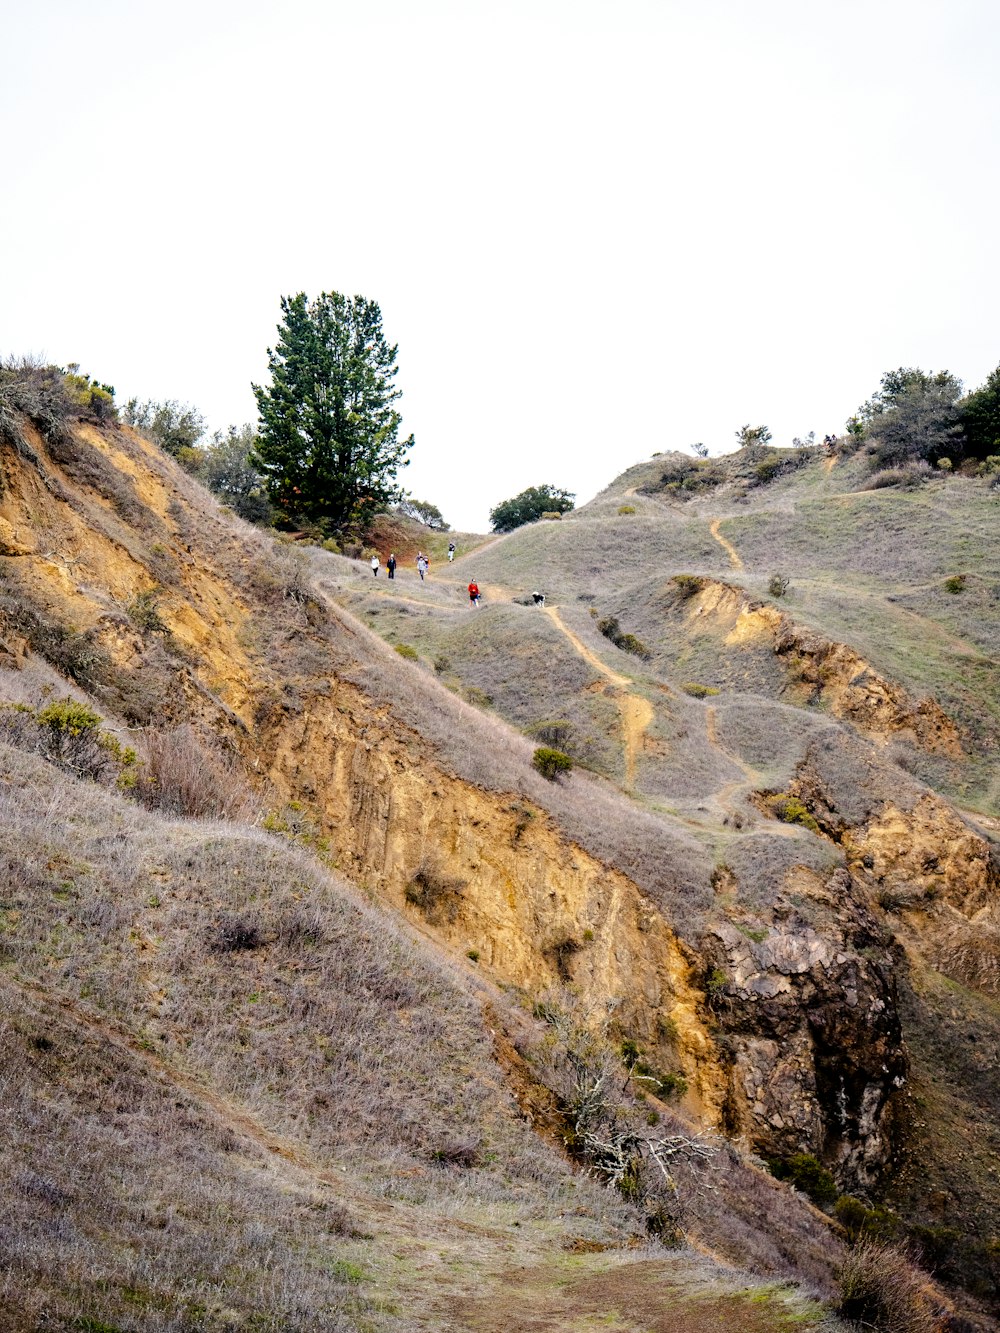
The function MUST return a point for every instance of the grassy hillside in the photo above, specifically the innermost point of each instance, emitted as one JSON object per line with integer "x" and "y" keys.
{"x": 707, "y": 922}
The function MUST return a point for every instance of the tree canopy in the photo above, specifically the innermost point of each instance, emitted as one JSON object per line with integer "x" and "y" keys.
{"x": 328, "y": 447}
{"x": 529, "y": 505}
{"x": 981, "y": 417}
{"x": 913, "y": 415}
{"x": 424, "y": 512}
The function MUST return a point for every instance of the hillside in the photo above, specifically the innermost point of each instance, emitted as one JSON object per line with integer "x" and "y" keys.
{"x": 342, "y": 950}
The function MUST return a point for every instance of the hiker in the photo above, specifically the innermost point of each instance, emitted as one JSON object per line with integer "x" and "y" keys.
{"x": 421, "y": 565}
{"x": 390, "y": 564}
{"x": 451, "y": 552}
{"x": 538, "y": 598}
{"x": 474, "y": 593}
{"x": 375, "y": 562}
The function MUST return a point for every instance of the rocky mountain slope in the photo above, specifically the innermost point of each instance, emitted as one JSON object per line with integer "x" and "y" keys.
{"x": 754, "y": 893}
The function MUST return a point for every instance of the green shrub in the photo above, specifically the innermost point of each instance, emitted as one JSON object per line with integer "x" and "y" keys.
{"x": 71, "y": 736}
{"x": 807, "y": 1174}
{"x": 408, "y": 651}
{"x": 790, "y": 810}
{"x": 687, "y": 584}
{"x": 858, "y": 1220}
{"x": 698, "y": 691}
{"x": 628, "y": 643}
{"x": 778, "y": 585}
{"x": 652, "y": 1080}
{"x": 626, "y": 509}
{"x": 551, "y": 763}
{"x": 955, "y": 584}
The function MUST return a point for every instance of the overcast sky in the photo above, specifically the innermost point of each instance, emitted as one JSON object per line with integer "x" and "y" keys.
{"x": 595, "y": 229}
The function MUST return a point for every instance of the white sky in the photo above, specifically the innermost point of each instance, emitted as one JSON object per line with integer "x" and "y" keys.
{"x": 596, "y": 228}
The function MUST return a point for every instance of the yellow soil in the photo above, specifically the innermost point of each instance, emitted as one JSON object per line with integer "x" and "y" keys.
{"x": 730, "y": 550}
{"x": 829, "y": 463}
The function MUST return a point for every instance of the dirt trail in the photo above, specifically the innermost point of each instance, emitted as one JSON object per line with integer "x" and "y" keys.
{"x": 635, "y": 711}
{"x": 730, "y": 550}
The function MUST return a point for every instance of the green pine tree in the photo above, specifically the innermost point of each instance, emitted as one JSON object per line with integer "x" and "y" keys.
{"x": 328, "y": 448}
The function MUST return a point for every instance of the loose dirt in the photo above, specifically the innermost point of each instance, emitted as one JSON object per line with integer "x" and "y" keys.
{"x": 635, "y": 711}
{"x": 730, "y": 550}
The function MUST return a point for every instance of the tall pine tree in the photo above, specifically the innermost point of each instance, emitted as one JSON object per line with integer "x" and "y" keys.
{"x": 328, "y": 447}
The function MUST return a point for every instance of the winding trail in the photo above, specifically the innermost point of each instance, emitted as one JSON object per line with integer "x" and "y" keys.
{"x": 636, "y": 712}
{"x": 728, "y": 547}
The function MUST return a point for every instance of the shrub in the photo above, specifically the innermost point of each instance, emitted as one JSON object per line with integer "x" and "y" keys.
{"x": 235, "y": 934}
{"x": 551, "y": 763}
{"x": 408, "y": 651}
{"x": 553, "y": 731}
{"x": 698, "y": 691}
{"x": 858, "y": 1220}
{"x": 652, "y": 1080}
{"x": 434, "y": 894}
{"x": 955, "y": 584}
{"x": 687, "y": 584}
{"x": 807, "y": 1174}
{"x": 144, "y": 612}
{"x": 560, "y": 953}
{"x": 173, "y": 426}
{"x": 778, "y": 585}
{"x": 184, "y": 776}
{"x": 71, "y": 736}
{"x": 790, "y": 810}
{"x": 907, "y": 477}
{"x": 628, "y": 643}
{"x": 90, "y": 398}
{"x": 626, "y": 509}
{"x": 881, "y": 1289}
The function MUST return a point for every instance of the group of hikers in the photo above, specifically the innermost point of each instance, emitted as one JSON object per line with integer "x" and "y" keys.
{"x": 424, "y": 564}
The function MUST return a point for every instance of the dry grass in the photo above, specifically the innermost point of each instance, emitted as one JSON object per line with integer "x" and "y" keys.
{"x": 199, "y": 956}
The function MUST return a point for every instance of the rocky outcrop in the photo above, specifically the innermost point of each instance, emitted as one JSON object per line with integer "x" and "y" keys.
{"x": 812, "y": 1031}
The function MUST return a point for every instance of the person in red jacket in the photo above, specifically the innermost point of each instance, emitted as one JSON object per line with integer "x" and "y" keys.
{"x": 474, "y": 593}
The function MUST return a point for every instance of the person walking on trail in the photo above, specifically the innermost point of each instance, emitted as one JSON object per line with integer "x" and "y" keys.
{"x": 421, "y": 565}
{"x": 375, "y": 562}
{"x": 538, "y": 598}
{"x": 474, "y": 593}
{"x": 390, "y": 564}
{"x": 451, "y": 552}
